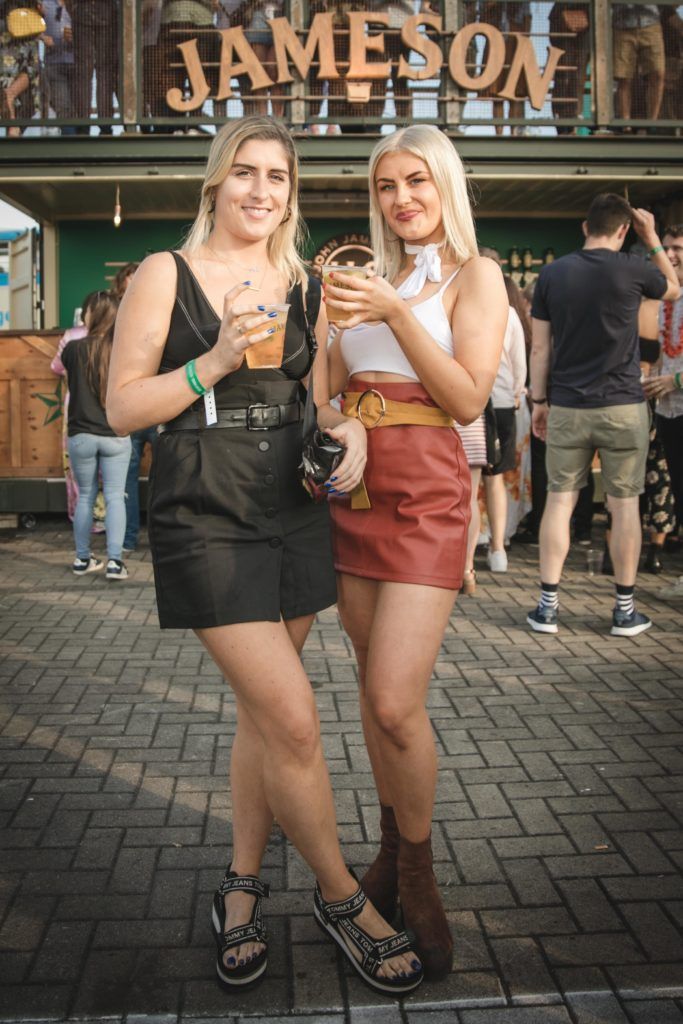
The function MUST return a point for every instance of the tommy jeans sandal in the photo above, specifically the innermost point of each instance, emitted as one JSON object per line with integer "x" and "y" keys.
{"x": 338, "y": 920}
{"x": 252, "y": 931}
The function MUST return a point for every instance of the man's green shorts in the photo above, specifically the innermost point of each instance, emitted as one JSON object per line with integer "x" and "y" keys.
{"x": 620, "y": 433}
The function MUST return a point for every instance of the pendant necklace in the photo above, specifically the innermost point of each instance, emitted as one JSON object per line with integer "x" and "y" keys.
{"x": 251, "y": 270}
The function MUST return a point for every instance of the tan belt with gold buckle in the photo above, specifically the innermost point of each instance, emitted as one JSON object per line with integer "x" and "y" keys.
{"x": 374, "y": 410}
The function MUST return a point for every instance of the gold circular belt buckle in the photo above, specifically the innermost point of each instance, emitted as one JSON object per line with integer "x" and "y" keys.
{"x": 382, "y": 410}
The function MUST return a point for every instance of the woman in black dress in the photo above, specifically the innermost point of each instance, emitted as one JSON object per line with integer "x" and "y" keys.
{"x": 240, "y": 553}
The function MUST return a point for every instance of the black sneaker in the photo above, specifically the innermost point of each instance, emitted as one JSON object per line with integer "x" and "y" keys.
{"x": 81, "y": 566}
{"x": 629, "y": 625}
{"x": 116, "y": 570}
{"x": 542, "y": 619}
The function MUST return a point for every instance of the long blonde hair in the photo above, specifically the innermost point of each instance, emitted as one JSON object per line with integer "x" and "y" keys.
{"x": 431, "y": 145}
{"x": 288, "y": 237}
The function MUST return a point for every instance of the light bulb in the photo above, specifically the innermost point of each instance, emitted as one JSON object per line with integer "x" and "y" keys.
{"x": 117, "y": 209}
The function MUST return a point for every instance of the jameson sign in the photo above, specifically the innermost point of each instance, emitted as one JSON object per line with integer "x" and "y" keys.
{"x": 293, "y": 53}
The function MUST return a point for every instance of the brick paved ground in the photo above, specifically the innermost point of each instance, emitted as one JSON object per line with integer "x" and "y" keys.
{"x": 557, "y": 829}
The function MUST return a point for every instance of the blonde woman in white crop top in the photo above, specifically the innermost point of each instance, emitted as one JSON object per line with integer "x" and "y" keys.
{"x": 423, "y": 343}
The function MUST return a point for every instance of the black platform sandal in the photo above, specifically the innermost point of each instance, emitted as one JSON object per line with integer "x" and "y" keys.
{"x": 337, "y": 919}
{"x": 253, "y": 931}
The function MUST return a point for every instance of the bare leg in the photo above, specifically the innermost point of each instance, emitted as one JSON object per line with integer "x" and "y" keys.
{"x": 654, "y": 94}
{"x": 407, "y": 624}
{"x": 399, "y": 650}
{"x": 12, "y": 93}
{"x": 625, "y": 539}
{"x": 553, "y": 535}
{"x": 264, "y": 669}
{"x": 475, "y": 521}
{"x": 497, "y": 508}
{"x": 623, "y": 98}
{"x": 252, "y": 818}
{"x": 498, "y": 111}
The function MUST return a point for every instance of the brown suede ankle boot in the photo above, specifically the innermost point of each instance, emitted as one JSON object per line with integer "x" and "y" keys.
{"x": 423, "y": 912}
{"x": 380, "y": 881}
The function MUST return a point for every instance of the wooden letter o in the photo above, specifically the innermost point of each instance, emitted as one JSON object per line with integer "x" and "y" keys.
{"x": 495, "y": 57}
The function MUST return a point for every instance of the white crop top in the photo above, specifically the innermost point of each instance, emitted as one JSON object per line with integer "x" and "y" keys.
{"x": 374, "y": 346}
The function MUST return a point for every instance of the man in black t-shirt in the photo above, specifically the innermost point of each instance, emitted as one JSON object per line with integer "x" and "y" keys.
{"x": 587, "y": 395}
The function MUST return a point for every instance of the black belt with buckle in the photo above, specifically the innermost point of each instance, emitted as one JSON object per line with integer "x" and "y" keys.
{"x": 252, "y": 417}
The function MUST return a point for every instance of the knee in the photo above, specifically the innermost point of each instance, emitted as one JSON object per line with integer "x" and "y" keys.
{"x": 299, "y": 736}
{"x": 395, "y": 721}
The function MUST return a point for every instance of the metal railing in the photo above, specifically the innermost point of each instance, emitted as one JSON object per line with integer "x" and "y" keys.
{"x": 471, "y": 66}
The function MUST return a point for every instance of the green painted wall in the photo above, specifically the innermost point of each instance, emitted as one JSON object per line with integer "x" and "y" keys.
{"x": 538, "y": 234}
{"x": 85, "y": 247}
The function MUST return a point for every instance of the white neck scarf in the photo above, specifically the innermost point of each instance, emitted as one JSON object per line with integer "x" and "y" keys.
{"x": 427, "y": 266}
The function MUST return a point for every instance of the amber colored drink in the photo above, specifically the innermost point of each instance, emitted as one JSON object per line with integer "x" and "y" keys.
{"x": 267, "y": 354}
{"x": 334, "y": 314}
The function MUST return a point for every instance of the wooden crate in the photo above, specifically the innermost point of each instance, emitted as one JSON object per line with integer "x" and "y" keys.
{"x": 30, "y": 405}
{"x": 31, "y": 400}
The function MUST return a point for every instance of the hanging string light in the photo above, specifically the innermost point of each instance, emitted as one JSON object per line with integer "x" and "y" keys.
{"x": 117, "y": 208}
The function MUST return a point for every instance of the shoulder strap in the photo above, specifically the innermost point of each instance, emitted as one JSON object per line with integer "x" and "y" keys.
{"x": 313, "y": 299}
{"x": 451, "y": 278}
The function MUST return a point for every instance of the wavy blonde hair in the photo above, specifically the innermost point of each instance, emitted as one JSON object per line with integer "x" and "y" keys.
{"x": 288, "y": 238}
{"x": 431, "y": 145}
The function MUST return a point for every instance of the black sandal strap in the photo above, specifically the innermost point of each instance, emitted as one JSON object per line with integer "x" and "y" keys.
{"x": 244, "y": 883}
{"x": 393, "y": 945}
{"x": 374, "y": 952}
{"x": 243, "y": 933}
{"x": 350, "y": 907}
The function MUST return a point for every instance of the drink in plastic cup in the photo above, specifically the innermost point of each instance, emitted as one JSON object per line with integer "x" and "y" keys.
{"x": 594, "y": 560}
{"x": 267, "y": 354}
{"x": 334, "y": 314}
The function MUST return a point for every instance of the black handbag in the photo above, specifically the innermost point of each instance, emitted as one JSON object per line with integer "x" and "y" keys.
{"x": 320, "y": 453}
{"x": 494, "y": 452}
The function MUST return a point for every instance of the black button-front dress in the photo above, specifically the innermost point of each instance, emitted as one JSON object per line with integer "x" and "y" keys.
{"x": 233, "y": 534}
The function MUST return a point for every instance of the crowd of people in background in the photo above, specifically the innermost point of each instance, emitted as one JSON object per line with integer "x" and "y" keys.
{"x": 506, "y": 457}
{"x": 50, "y": 74}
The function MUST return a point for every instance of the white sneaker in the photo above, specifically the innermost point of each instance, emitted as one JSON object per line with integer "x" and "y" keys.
{"x": 673, "y": 590}
{"x": 116, "y": 570}
{"x": 497, "y": 561}
{"x": 83, "y": 565}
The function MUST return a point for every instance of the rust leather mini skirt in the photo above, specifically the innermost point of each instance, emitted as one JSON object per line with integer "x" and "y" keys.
{"x": 418, "y": 482}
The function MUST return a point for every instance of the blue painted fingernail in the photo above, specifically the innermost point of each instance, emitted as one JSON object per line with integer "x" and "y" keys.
{"x": 246, "y": 282}
{"x": 271, "y": 315}
{"x": 241, "y": 962}
{"x": 231, "y": 961}
{"x": 415, "y": 964}
{"x": 261, "y": 308}
{"x": 333, "y": 478}
{"x": 271, "y": 330}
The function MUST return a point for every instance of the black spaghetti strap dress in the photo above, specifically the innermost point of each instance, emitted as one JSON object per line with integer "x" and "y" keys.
{"x": 234, "y": 536}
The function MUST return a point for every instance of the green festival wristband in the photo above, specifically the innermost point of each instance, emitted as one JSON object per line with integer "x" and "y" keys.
{"x": 657, "y": 248}
{"x": 193, "y": 380}
{"x": 677, "y": 380}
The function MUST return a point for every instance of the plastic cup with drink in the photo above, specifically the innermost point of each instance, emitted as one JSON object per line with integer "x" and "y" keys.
{"x": 335, "y": 314}
{"x": 267, "y": 354}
